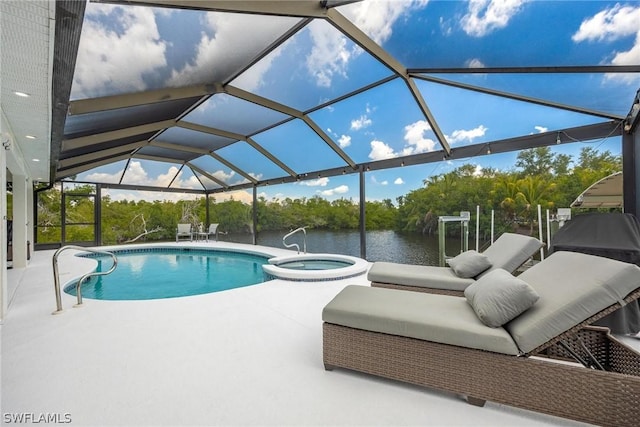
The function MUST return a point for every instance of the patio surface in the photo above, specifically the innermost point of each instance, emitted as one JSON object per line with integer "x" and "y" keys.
{"x": 248, "y": 356}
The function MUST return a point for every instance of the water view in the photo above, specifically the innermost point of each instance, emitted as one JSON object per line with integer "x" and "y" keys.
{"x": 385, "y": 245}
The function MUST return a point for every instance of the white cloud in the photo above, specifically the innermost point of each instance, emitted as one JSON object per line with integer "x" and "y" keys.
{"x": 192, "y": 182}
{"x": 398, "y": 181}
{"x": 375, "y": 181}
{"x": 416, "y": 142}
{"x": 630, "y": 57}
{"x": 467, "y": 135}
{"x": 376, "y": 18}
{"x": 344, "y": 141}
{"x": 445, "y": 26}
{"x": 103, "y": 177}
{"x": 613, "y": 24}
{"x": 223, "y": 176}
{"x": 240, "y": 195}
{"x": 361, "y": 122}
{"x": 320, "y": 182}
{"x": 381, "y": 151}
{"x": 137, "y": 175}
{"x": 477, "y": 171}
{"x": 253, "y": 78}
{"x": 329, "y": 55}
{"x": 541, "y": 129}
{"x": 341, "y": 189}
{"x": 117, "y": 60}
{"x": 222, "y": 46}
{"x": 609, "y": 24}
{"x": 137, "y": 196}
{"x": 164, "y": 179}
{"x": 486, "y": 16}
{"x": 474, "y": 63}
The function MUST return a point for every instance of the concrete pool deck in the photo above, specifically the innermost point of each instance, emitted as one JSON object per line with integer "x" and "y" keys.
{"x": 247, "y": 356}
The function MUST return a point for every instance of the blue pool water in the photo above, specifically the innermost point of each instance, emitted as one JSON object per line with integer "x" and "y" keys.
{"x": 168, "y": 273}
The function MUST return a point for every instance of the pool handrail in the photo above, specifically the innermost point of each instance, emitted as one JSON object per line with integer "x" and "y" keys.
{"x": 56, "y": 275}
{"x": 295, "y": 245}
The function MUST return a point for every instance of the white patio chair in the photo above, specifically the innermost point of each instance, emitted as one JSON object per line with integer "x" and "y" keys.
{"x": 184, "y": 230}
{"x": 213, "y": 229}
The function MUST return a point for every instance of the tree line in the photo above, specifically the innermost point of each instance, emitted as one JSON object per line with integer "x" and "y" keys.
{"x": 540, "y": 177}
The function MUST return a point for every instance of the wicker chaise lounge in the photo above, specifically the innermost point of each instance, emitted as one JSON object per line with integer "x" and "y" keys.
{"x": 508, "y": 252}
{"x": 439, "y": 341}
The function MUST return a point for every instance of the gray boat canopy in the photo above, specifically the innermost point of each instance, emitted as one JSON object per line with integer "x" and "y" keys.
{"x": 605, "y": 193}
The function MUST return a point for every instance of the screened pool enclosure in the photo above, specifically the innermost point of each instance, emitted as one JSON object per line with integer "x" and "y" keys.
{"x": 254, "y": 98}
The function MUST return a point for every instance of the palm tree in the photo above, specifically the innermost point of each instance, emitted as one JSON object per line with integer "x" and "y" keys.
{"x": 534, "y": 191}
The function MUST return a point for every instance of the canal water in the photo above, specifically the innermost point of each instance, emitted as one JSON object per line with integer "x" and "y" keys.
{"x": 384, "y": 245}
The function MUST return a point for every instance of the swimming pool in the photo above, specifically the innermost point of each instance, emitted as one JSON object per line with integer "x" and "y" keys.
{"x": 154, "y": 273}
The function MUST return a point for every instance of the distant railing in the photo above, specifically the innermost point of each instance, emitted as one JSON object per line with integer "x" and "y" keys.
{"x": 56, "y": 276}
{"x": 295, "y": 245}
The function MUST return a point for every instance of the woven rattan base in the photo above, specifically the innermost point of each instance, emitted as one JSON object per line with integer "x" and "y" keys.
{"x": 418, "y": 289}
{"x": 559, "y": 389}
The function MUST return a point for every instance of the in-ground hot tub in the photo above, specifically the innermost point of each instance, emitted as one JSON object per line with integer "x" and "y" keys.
{"x": 314, "y": 267}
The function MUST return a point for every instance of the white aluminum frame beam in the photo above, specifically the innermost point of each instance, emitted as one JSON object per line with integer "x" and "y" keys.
{"x": 516, "y": 97}
{"x": 85, "y": 167}
{"x": 83, "y": 158}
{"x": 237, "y": 137}
{"x": 204, "y": 151}
{"x": 92, "y": 105}
{"x": 267, "y": 103}
{"x": 85, "y": 141}
{"x": 299, "y": 8}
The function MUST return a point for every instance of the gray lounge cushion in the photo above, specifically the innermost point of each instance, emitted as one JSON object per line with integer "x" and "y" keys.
{"x": 572, "y": 287}
{"x": 498, "y": 297}
{"x": 438, "y": 318}
{"x": 511, "y": 250}
{"x": 469, "y": 264}
{"x": 426, "y": 276}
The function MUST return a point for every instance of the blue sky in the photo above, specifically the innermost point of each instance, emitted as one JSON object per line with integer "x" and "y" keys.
{"x": 130, "y": 49}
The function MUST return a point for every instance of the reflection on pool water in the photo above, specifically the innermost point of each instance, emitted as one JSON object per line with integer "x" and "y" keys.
{"x": 153, "y": 273}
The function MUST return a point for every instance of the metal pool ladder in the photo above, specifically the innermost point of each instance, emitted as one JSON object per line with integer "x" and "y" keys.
{"x": 295, "y": 245}
{"x": 56, "y": 275}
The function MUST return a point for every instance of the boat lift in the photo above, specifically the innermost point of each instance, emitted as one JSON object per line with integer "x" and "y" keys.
{"x": 563, "y": 215}
{"x": 463, "y": 219}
